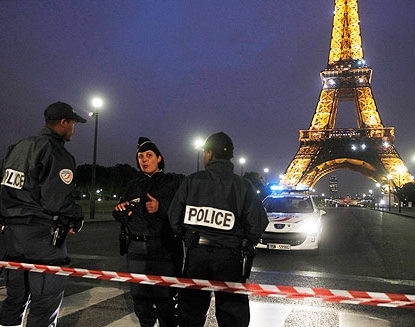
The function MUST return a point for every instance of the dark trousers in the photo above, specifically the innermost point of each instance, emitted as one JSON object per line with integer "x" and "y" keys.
{"x": 152, "y": 303}
{"x": 42, "y": 292}
{"x": 213, "y": 263}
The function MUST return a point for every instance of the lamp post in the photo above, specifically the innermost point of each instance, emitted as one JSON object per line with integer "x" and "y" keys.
{"x": 377, "y": 195}
{"x": 96, "y": 104}
{"x": 372, "y": 205}
{"x": 198, "y": 143}
{"x": 401, "y": 170}
{"x": 389, "y": 177}
{"x": 266, "y": 171}
{"x": 242, "y": 161}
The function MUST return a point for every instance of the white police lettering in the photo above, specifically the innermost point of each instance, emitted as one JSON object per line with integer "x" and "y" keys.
{"x": 13, "y": 178}
{"x": 209, "y": 217}
{"x": 66, "y": 176}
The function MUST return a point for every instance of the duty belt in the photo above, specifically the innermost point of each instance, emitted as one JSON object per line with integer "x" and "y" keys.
{"x": 28, "y": 220}
{"x": 204, "y": 241}
{"x": 142, "y": 238}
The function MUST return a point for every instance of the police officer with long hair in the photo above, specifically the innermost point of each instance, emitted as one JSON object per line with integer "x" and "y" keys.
{"x": 220, "y": 218}
{"x": 146, "y": 236}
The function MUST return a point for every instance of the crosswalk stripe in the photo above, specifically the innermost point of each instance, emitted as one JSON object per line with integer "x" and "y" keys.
{"x": 127, "y": 321}
{"x": 356, "y": 320}
{"x": 82, "y": 300}
{"x": 263, "y": 314}
{"x": 272, "y": 314}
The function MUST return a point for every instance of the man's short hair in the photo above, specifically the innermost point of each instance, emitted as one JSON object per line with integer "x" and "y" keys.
{"x": 220, "y": 144}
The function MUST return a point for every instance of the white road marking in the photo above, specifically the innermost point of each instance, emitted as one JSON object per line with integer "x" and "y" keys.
{"x": 85, "y": 299}
{"x": 126, "y": 321}
{"x": 263, "y": 314}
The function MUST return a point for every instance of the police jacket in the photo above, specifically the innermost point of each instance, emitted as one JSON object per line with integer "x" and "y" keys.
{"x": 222, "y": 206}
{"x": 38, "y": 178}
{"x": 161, "y": 186}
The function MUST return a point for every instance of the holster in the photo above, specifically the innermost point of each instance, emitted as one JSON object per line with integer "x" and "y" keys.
{"x": 247, "y": 252}
{"x": 124, "y": 238}
{"x": 60, "y": 231}
{"x": 191, "y": 238}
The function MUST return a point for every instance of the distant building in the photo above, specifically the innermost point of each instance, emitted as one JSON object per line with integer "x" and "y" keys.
{"x": 333, "y": 190}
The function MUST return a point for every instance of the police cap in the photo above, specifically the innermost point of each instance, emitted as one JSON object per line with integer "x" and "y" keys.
{"x": 60, "y": 110}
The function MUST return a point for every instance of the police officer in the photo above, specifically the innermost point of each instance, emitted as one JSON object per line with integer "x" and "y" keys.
{"x": 150, "y": 244}
{"x": 38, "y": 177}
{"x": 221, "y": 219}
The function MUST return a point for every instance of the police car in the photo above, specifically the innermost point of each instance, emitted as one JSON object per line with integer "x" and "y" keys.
{"x": 294, "y": 221}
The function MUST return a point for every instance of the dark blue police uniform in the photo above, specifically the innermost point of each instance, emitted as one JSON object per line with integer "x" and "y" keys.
{"x": 38, "y": 178}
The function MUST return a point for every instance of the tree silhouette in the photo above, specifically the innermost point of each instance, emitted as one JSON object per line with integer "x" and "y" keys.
{"x": 259, "y": 183}
{"x": 407, "y": 193}
{"x": 111, "y": 180}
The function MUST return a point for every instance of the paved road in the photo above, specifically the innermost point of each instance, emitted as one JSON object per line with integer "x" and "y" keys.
{"x": 100, "y": 303}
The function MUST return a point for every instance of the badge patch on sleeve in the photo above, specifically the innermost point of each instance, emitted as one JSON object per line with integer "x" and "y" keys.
{"x": 66, "y": 176}
{"x": 209, "y": 217}
{"x": 13, "y": 178}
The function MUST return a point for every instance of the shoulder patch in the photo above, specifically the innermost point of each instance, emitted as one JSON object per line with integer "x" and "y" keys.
{"x": 13, "y": 178}
{"x": 66, "y": 176}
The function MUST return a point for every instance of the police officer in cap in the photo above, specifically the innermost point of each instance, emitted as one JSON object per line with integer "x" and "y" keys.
{"x": 38, "y": 210}
{"x": 220, "y": 218}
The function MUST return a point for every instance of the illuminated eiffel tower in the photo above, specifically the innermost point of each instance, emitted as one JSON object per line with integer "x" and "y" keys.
{"x": 367, "y": 149}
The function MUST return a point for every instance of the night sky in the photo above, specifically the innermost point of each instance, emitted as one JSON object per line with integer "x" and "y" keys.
{"x": 176, "y": 70}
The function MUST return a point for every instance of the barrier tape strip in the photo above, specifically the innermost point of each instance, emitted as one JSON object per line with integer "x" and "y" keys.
{"x": 289, "y": 292}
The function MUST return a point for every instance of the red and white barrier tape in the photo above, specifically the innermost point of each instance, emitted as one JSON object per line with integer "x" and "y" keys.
{"x": 290, "y": 292}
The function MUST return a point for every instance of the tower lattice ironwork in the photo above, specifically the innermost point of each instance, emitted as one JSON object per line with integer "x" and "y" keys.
{"x": 369, "y": 148}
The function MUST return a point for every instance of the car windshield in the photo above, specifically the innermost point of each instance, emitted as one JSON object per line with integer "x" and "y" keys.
{"x": 288, "y": 204}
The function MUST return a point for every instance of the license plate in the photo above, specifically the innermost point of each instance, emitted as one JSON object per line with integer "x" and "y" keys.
{"x": 273, "y": 246}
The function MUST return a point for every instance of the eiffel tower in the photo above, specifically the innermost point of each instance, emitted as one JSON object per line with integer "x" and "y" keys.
{"x": 367, "y": 149}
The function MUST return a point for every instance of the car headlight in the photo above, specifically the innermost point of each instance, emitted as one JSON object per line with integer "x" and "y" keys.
{"x": 310, "y": 227}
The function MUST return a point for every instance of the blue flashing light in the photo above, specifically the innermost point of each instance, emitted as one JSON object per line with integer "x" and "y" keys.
{"x": 275, "y": 187}
{"x": 288, "y": 189}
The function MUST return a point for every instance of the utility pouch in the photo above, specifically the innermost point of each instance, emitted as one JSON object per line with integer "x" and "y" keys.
{"x": 59, "y": 234}
{"x": 124, "y": 238}
{"x": 191, "y": 239}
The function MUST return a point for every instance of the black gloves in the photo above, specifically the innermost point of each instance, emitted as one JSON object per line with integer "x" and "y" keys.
{"x": 121, "y": 216}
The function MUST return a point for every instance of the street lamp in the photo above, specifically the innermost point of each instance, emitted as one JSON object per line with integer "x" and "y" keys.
{"x": 242, "y": 161}
{"x": 198, "y": 143}
{"x": 96, "y": 104}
